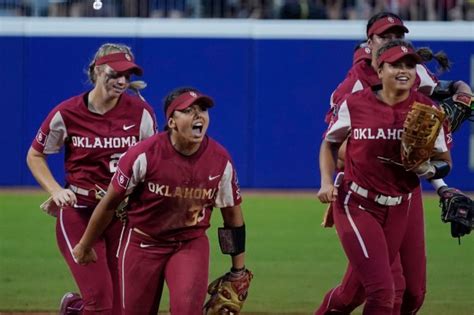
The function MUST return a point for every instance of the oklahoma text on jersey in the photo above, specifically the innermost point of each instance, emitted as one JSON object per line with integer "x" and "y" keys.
{"x": 379, "y": 133}
{"x": 107, "y": 142}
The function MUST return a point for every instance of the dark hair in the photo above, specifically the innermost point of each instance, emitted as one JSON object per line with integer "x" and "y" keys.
{"x": 444, "y": 64}
{"x": 393, "y": 43}
{"x": 379, "y": 16}
{"x": 171, "y": 96}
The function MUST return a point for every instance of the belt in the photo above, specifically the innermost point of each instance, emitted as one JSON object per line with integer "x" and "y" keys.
{"x": 98, "y": 194}
{"x": 379, "y": 198}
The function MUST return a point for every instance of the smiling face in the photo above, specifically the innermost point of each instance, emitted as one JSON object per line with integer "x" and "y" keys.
{"x": 189, "y": 126}
{"x": 111, "y": 83}
{"x": 398, "y": 76}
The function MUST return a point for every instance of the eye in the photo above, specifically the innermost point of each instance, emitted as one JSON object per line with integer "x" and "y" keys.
{"x": 187, "y": 110}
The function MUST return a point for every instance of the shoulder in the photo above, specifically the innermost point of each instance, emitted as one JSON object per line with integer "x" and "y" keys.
{"x": 217, "y": 149}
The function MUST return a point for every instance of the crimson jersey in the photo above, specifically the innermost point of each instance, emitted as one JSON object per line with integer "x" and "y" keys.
{"x": 375, "y": 130}
{"x": 172, "y": 195}
{"x": 363, "y": 75}
{"x": 94, "y": 142}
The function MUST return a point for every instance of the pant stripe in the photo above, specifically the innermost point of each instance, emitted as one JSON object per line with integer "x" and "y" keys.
{"x": 120, "y": 240}
{"x": 123, "y": 267}
{"x": 354, "y": 227}
{"x": 66, "y": 238}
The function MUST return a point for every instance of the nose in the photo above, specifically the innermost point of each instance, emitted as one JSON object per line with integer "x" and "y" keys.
{"x": 122, "y": 79}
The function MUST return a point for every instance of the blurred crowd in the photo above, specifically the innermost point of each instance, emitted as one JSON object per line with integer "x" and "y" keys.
{"x": 429, "y": 10}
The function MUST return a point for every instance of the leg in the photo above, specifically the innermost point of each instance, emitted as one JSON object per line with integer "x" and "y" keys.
{"x": 93, "y": 280}
{"x": 365, "y": 245}
{"x": 141, "y": 271}
{"x": 344, "y": 298}
{"x": 113, "y": 236}
{"x": 187, "y": 275}
{"x": 413, "y": 257}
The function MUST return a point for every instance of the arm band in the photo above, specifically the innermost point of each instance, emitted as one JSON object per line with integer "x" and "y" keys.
{"x": 232, "y": 240}
{"x": 442, "y": 169}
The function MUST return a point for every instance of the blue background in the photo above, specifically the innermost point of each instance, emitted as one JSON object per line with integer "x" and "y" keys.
{"x": 271, "y": 96}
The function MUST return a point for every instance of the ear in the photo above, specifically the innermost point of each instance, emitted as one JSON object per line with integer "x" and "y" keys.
{"x": 171, "y": 123}
{"x": 379, "y": 71}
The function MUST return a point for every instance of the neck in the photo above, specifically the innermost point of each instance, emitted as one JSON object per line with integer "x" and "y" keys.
{"x": 393, "y": 97}
{"x": 182, "y": 146}
{"x": 100, "y": 102}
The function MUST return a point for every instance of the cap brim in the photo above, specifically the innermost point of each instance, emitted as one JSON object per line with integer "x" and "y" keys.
{"x": 122, "y": 66}
{"x": 203, "y": 100}
{"x": 382, "y": 29}
{"x": 401, "y": 55}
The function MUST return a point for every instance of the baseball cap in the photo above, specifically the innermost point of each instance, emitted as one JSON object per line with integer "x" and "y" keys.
{"x": 120, "y": 62}
{"x": 362, "y": 53}
{"x": 396, "y": 53}
{"x": 386, "y": 23}
{"x": 188, "y": 99}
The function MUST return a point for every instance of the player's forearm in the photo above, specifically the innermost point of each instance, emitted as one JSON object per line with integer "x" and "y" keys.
{"x": 238, "y": 261}
{"x": 461, "y": 87}
{"x": 327, "y": 161}
{"x": 39, "y": 168}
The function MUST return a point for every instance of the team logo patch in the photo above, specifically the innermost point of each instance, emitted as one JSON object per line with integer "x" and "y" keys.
{"x": 128, "y": 57}
{"x": 41, "y": 137}
{"x": 121, "y": 179}
{"x": 391, "y": 20}
{"x": 367, "y": 50}
{"x": 193, "y": 94}
{"x": 404, "y": 49}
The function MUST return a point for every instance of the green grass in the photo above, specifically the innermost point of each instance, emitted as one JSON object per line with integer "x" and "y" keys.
{"x": 294, "y": 260}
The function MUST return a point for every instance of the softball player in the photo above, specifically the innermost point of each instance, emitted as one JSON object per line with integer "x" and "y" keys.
{"x": 96, "y": 128}
{"x": 371, "y": 206}
{"x": 173, "y": 181}
{"x": 411, "y": 285}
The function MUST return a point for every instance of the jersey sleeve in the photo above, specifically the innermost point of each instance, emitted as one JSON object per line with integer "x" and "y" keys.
{"x": 340, "y": 125}
{"x": 51, "y": 135}
{"x": 350, "y": 85}
{"x": 228, "y": 193}
{"x": 427, "y": 80}
{"x": 148, "y": 125}
{"x": 131, "y": 170}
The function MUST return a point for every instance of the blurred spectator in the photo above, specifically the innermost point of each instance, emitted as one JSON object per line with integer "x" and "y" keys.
{"x": 431, "y": 10}
{"x": 302, "y": 9}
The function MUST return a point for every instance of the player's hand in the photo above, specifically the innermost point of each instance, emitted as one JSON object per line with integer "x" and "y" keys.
{"x": 327, "y": 193}
{"x": 84, "y": 255}
{"x": 64, "y": 197}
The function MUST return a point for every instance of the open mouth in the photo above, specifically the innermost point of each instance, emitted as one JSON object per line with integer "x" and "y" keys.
{"x": 197, "y": 128}
{"x": 402, "y": 78}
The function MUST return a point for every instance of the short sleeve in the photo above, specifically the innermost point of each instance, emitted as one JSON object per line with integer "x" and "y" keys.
{"x": 340, "y": 125}
{"x": 51, "y": 135}
{"x": 228, "y": 193}
{"x": 131, "y": 170}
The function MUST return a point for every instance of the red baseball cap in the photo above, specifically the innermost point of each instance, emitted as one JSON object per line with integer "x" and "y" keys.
{"x": 385, "y": 23}
{"x": 396, "y": 53}
{"x": 362, "y": 53}
{"x": 120, "y": 62}
{"x": 188, "y": 99}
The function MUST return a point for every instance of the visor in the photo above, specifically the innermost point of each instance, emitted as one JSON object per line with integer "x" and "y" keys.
{"x": 396, "y": 53}
{"x": 363, "y": 53}
{"x": 382, "y": 25}
{"x": 188, "y": 99}
{"x": 120, "y": 62}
